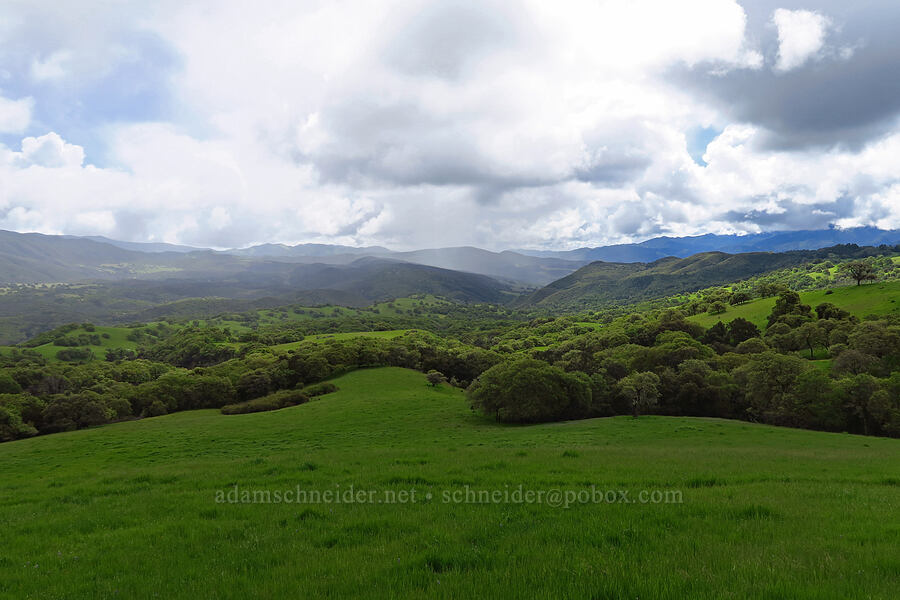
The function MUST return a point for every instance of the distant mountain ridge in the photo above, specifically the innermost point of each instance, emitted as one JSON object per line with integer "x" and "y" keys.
{"x": 36, "y": 258}
{"x": 153, "y": 247}
{"x": 307, "y": 250}
{"x": 773, "y": 241}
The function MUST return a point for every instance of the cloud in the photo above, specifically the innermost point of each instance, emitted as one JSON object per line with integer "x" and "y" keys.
{"x": 801, "y": 35}
{"x": 413, "y": 123}
{"x": 846, "y": 94}
{"x": 52, "y": 151}
{"x": 52, "y": 67}
{"x": 15, "y": 115}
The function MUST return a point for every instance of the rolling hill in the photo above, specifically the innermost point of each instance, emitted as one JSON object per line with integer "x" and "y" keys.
{"x": 880, "y": 298}
{"x": 505, "y": 265}
{"x": 601, "y": 282}
{"x": 27, "y": 311}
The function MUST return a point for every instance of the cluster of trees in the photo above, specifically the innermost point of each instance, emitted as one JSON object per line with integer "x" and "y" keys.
{"x": 664, "y": 363}
{"x": 79, "y": 339}
{"x": 187, "y": 371}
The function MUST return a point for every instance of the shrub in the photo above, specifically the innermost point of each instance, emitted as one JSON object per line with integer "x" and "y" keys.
{"x": 8, "y": 385}
{"x": 320, "y": 389}
{"x": 75, "y": 354}
{"x": 276, "y": 401}
{"x": 11, "y": 425}
{"x": 435, "y": 377}
{"x": 157, "y": 409}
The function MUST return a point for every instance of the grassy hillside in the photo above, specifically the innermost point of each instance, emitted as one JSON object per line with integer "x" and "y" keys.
{"x": 109, "y": 337}
{"x": 868, "y": 299}
{"x": 129, "y": 508}
{"x": 601, "y": 283}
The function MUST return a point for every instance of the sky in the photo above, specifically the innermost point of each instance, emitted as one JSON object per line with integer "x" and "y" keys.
{"x": 409, "y": 124}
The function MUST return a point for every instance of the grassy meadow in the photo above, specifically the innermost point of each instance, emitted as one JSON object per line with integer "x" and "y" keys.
{"x": 129, "y": 510}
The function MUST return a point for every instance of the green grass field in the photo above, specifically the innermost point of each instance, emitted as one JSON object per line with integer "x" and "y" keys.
{"x": 129, "y": 510}
{"x": 867, "y": 299}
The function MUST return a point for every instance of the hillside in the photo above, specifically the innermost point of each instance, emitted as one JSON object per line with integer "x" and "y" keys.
{"x": 35, "y": 258}
{"x": 506, "y": 265}
{"x": 123, "y": 507}
{"x": 380, "y": 279}
{"x": 882, "y": 298}
{"x": 602, "y": 283}
{"x": 26, "y": 311}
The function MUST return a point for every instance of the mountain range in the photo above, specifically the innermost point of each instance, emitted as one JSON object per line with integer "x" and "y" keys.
{"x": 773, "y": 241}
{"x": 105, "y": 281}
{"x": 529, "y": 267}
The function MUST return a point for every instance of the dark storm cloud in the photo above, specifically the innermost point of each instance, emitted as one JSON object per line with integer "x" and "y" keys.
{"x": 830, "y": 101}
{"x": 615, "y": 171}
{"x": 446, "y": 38}
{"x": 403, "y": 144}
{"x": 795, "y": 215}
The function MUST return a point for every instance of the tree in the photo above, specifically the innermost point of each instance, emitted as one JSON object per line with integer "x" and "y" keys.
{"x": 741, "y": 330}
{"x": 769, "y": 379}
{"x": 752, "y": 346}
{"x": 717, "y": 308}
{"x": 8, "y": 385}
{"x": 435, "y": 377}
{"x": 157, "y": 409}
{"x": 853, "y": 362}
{"x": 254, "y": 384}
{"x": 11, "y": 425}
{"x": 717, "y": 334}
{"x": 827, "y": 310}
{"x": 642, "y": 389}
{"x": 788, "y": 309}
{"x": 119, "y": 354}
{"x": 740, "y": 298}
{"x": 857, "y": 392}
{"x": 859, "y": 270}
{"x": 810, "y": 335}
{"x": 530, "y": 391}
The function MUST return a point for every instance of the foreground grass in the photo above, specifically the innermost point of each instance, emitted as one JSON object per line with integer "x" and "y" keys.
{"x": 129, "y": 510}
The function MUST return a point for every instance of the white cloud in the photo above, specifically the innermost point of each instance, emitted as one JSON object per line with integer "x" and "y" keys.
{"x": 52, "y": 151}
{"x": 15, "y": 115}
{"x": 801, "y": 35}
